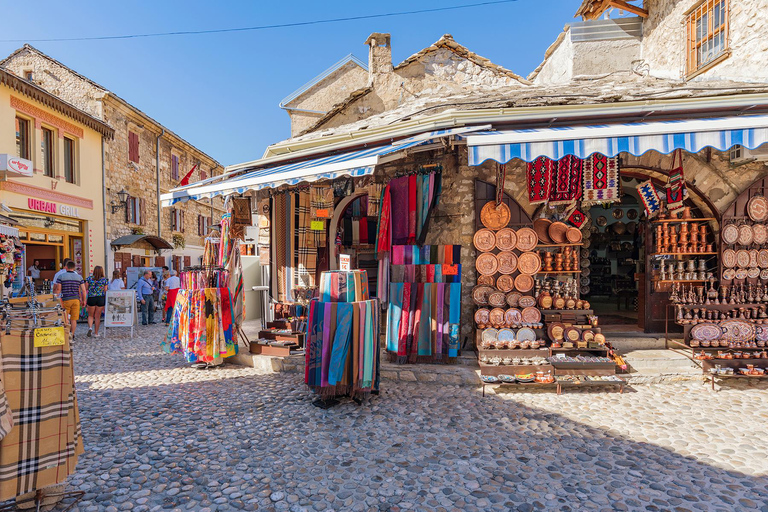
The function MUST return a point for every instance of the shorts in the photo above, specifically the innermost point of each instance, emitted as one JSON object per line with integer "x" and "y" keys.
{"x": 99, "y": 302}
{"x": 72, "y": 306}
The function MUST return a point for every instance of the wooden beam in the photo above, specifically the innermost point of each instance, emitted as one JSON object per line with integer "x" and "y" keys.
{"x": 622, "y": 4}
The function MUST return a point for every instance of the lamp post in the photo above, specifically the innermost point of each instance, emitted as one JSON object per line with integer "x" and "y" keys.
{"x": 122, "y": 197}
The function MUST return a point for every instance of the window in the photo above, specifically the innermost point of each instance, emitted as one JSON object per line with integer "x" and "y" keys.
{"x": 48, "y": 142}
{"x": 177, "y": 220}
{"x": 28, "y": 75}
{"x": 707, "y": 31}
{"x": 174, "y": 167}
{"x": 22, "y": 138}
{"x": 203, "y": 175}
{"x": 135, "y": 211}
{"x": 133, "y": 147}
{"x": 69, "y": 160}
{"x": 203, "y": 223}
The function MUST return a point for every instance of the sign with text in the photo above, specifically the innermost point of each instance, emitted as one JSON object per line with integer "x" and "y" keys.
{"x": 16, "y": 166}
{"x": 344, "y": 262}
{"x": 120, "y": 309}
{"x": 49, "y": 207}
{"x": 317, "y": 225}
{"x": 450, "y": 270}
{"x": 323, "y": 213}
{"x": 49, "y": 337}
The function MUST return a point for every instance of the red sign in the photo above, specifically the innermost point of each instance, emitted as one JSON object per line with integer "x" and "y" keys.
{"x": 344, "y": 262}
{"x": 322, "y": 213}
{"x": 15, "y": 166}
{"x": 41, "y": 206}
{"x": 450, "y": 270}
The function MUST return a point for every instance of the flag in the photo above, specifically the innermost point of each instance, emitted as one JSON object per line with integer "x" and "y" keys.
{"x": 185, "y": 180}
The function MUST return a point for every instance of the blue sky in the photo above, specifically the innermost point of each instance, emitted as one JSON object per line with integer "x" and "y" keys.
{"x": 221, "y": 91}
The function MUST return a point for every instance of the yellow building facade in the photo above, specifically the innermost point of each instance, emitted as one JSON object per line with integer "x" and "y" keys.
{"x": 51, "y": 167}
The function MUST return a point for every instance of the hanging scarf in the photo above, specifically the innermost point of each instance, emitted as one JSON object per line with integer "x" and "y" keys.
{"x": 341, "y": 341}
{"x": 676, "y": 183}
{"x": 412, "y": 206}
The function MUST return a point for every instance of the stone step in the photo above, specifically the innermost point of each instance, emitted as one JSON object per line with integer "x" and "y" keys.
{"x": 629, "y": 343}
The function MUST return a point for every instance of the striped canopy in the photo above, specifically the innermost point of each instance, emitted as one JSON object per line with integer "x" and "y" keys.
{"x": 610, "y": 140}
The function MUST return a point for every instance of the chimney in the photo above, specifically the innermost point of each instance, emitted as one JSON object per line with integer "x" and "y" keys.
{"x": 379, "y": 56}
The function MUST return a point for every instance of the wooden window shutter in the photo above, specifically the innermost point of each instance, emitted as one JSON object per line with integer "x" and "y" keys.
{"x": 136, "y": 260}
{"x": 199, "y": 224}
{"x": 187, "y": 261}
{"x": 129, "y": 210}
{"x": 133, "y": 147}
{"x": 160, "y": 261}
{"x": 174, "y": 167}
{"x": 181, "y": 220}
{"x": 143, "y": 212}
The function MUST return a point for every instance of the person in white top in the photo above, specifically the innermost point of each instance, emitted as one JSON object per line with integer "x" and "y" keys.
{"x": 34, "y": 270}
{"x": 172, "y": 283}
{"x": 117, "y": 282}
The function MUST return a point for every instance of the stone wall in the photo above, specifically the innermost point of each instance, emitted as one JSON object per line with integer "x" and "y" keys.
{"x": 557, "y": 67}
{"x": 664, "y": 41}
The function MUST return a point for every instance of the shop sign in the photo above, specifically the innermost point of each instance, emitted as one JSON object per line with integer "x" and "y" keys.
{"x": 317, "y": 225}
{"x": 15, "y": 165}
{"x": 344, "y": 262}
{"x": 323, "y": 213}
{"x": 48, "y": 207}
{"x": 49, "y": 337}
{"x": 450, "y": 270}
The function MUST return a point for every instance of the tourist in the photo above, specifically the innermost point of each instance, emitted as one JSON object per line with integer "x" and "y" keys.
{"x": 63, "y": 269}
{"x": 145, "y": 291}
{"x": 172, "y": 285}
{"x": 117, "y": 282}
{"x": 96, "y": 285}
{"x": 34, "y": 270}
{"x": 71, "y": 288}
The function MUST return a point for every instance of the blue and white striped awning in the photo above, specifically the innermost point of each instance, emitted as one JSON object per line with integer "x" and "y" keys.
{"x": 354, "y": 163}
{"x": 610, "y": 140}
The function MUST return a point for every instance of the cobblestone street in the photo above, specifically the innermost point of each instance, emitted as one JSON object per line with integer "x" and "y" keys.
{"x": 159, "y": 435}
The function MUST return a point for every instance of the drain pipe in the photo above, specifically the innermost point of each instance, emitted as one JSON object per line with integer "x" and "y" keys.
{"x": 157, "y": 167}
{"x": 104, "y": 205}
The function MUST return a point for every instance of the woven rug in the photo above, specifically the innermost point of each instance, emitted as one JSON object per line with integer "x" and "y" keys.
{"x": 539, "y": 179}
{"x": 650, "y": 198}
{"x": 565, "y": 184}
{"x": 601, "y": 179}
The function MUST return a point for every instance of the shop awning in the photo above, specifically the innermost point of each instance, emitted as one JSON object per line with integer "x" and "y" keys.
{"x": 635, "y": 138}
{"x": 9, "y": 230}
{"x": 155, "y": 241}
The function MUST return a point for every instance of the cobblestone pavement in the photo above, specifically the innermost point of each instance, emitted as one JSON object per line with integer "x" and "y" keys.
{"x": 160, "y": 435}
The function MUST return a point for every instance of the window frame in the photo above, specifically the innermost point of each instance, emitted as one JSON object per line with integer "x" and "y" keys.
{"x": 70, "y": 161}
{"x": 48, "y": 151}
{"x": 693, "y": 66}
{"x": 26, "y": 142}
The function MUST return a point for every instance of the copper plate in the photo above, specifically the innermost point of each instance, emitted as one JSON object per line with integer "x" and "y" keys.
{"x": 497, "y": 316}
{"x": 507, "y": 262}
{"x": 753, "y": 273}
{"x": 505, "y": 283}
{"x": 729, "y": 258}
{"x": 730, "y": 234}
{"x": 753, "y": 257}
{"x": 572, "y": 334}
{"x": 526, "y": 334}
{"x": 745, "y": 234}
{"x": 584, "y": 290}
{"x": 757, "y": 208}
{"x": 762, "y": 258}
{"x": 480, "y": 294}
{"x": 601, "y": 221}
{"x": 486, "y": 280}
{"x": 557, "y": 232}
{"x": 482, "y": 316}
{"x": 585, "y": 271}
{"x": 631, "y": 227}
{"x": 524, "y": 283}
{"x": 617, "y": 213}
{"x": 526, "y": 239}
{"x": 513, "y": 317}
{"x": 526, "y": 301}
{"x": 556, "y": 331}
{"x": 531, "y": 315}
{"x": 541, "y": 226}
{"x": 497, "y": 299}
{"x": 490, "y": 334}
{"x": 495, "y": 217}
{"x": 506, "y": 239}
{"x": 484, "y": 240}
{"x": 487, "y": 264}
{"x": 529, "y": 263}
{"x": 513, "y": 299}
{"x": 619, "y": 228}
{"x": 742, "y": 258}
{"x": 759, "y": 234}
{"x": 632, "y": 214}
{"x": 573, "y": 235}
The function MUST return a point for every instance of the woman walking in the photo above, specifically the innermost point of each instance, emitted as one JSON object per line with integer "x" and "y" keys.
{"x": 97, "y": 292}
{"x": 117, "y": 282}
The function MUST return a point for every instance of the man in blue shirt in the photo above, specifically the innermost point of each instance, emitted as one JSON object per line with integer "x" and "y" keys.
{"x": 145, "y": 291}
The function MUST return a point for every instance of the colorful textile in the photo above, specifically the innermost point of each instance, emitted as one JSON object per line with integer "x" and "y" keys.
{"x": 577, "y": 218}
{"x": 306, "y": 253}
{"x": 426, "y": 254}
{"x": 383, "y": 226}
{"x": 344, "y": 286}
{"x": 399, "y": 215}
{"x": 374, "y": 199}
{"x": 601, "y": 179}
{"x": 539, "y": 180}
{"x": 235, "y": 269}
{"x": 97, "y": 287}
{"x": 566, "y": 180}
{"x": 225, "y": 240}
{"x": 650, "y": 198}
{"x": 413, "y": 203}
{"x": 676, "y": 183}
{"x": 6, "y": 415}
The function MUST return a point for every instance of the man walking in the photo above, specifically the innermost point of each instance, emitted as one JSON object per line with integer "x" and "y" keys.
{"x": 71, "y": 286}
{"x": 145, "y": 290}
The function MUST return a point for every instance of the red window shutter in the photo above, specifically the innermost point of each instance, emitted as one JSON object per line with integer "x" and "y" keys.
{"x": 187, "y": 261}
{"x": 133, "y": 147}
{"x": 136, "y": 260}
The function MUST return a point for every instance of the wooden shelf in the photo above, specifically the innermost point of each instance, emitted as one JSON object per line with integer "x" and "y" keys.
{"x": 684, "y": 254}
{"x": 680, "y": 221}
{"x": 559, "y": 245}
{"x": 682, "y": 281}
{"x": 559, "y": 272}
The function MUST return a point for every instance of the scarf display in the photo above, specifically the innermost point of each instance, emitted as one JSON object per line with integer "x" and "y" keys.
{"x": 202, "y": 327}
{"x": 204, "y": 278}
{"x": 650, "y": 198}
{"x": 235, "y": 271}
{"x": 225, "y": 241}
{"x": 426, "y": 254}
{"x": 411, "y": 200}
{"x": 601, "y": 179}
{"x": 42, "y": 446}
{"x": 306, "y": 252}
{"x": 344, "y": 286}
{"x": 384, "y": 225}
{"x": 295, "y": 252}
{"x": 210, "y": 252}
{"x": 374, "y": 199}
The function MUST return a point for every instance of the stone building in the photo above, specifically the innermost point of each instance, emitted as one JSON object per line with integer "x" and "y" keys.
{"x": 144, "y": 159}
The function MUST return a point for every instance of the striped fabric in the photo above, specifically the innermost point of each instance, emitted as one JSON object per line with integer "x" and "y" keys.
{"x": 305, "y": 250}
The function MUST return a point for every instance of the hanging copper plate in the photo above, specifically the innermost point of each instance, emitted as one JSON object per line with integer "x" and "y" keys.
{"x": 505, "y": 283}
{"x": 573, "y": 235}
{"x": 753, "y": 273}
{"x": 759, "y": 234}
{"x": 541, "y": 226}
{"x": 745, "y": 234}
{"x": 762, "y": 258}
{"x": 497, "y": 299}
{"x": 495, "y": 217}
{"x": 729, "y": 258}
{"x": 531, "y": 315}
{"x": 482, "y": 316}
{"x": 584, "y": 290}
{"x": 524, "y": 283}
{"x": 513, "y": 316}
{"x": 632, "y": 214}
{"x": 487, "y": 264}
{"x": 754, "y": 257}
{"x": 601, "y": 221}
{"x": 486, "y": 280}
{"x": 529, "y": 263}
{"x": 526, "y": 301}
{"x": 764, "y": 274}
{"x": 497, "y": 316}
{"x": 556, "y": 331}
{"x": 490, "y": 334}
{"x": 730, "y": 234}
{"x": 507, "y": 262}
{"x": 484, "y": 240}
{"x": 757, "y": 208}
{"x": 557, "y": 232}
{"x": 742, "y": 258}
{"x": 506, "y": 239}
{"x": 513, "y": 299}
{"x": 480, "y": 294}
{"x": 526, "y": 239}
{"x": 506, "y": 334}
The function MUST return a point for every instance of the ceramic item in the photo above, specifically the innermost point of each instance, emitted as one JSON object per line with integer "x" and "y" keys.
{"x": 513, "y": 298}
{"x": 754, "y": 257}
{"x": 762, "y": 258}
{"x": 482, "y": 316}
{"x": 505, "y": 283}
{"x": 757, "y": 208}
{"x": 557, "y": 232}
{"x": 495, "y": 216}
{"x": 617, "y": 213}
{"x": 745, "y": 234}
{"x": 632, "y": 214}
{"x": 759, "y": 234}
{"x": 497, "y": 316}
{"x": 737, "y": 330}
{"x": 526, "y": 301}
{"x": 507, "y": 262}
{"x": 706, "y": 331}
{"x": 730, "y": 234}
{"x": 572, "y": 334}
{"x": 729, "y": 258}
{"x": 490, "y": 334}
{"x": 513, "y": 316}
{"x": 526, "y": 334}
{"x": 742, "y": 258}
{"x": 601, "y": 221}
{"x": 556, "y": 331}
{"x": 526, "y": 239}
{"x": 506, "y": 239}
{"x": 531, "y": 315}
{"x": 588, "y": 335}
{"x": 506, "y": 335}
{"x": 484, "y": 240}
{"x": 487, "y": 264}
{"x": 573, "y": 235}
{"x": 541, "y": 227}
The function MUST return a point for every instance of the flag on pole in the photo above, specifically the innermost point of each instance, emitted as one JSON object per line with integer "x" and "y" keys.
{"x": 185, "y": 180}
